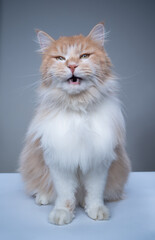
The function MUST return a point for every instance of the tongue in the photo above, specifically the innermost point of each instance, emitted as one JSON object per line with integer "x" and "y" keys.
{"x": 76, "y": 82}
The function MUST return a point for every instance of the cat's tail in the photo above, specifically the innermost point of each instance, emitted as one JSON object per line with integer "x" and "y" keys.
{"x": 33, "y": 169}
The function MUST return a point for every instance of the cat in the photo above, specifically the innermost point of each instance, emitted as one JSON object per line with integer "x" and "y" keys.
{"x": 74, "y": 150}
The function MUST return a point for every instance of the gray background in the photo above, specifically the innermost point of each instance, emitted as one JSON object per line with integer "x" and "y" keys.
{"x": 130, "y": 47}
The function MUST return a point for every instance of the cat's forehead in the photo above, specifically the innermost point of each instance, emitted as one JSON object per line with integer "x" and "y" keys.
{"x": 72, "y": 45}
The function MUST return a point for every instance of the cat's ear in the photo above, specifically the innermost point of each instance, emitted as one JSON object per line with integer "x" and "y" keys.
{"x": 44, "y": 40}
{"x": 97, "y": 33}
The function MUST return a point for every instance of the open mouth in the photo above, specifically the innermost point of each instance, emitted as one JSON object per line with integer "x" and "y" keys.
{"x": 74, "y": 80}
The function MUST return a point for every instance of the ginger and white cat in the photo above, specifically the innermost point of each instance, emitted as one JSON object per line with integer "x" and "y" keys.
{"x": 75, "y": 145}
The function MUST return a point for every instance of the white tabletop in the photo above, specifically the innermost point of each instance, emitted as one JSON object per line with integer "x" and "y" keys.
{"x": 132, "y": 218}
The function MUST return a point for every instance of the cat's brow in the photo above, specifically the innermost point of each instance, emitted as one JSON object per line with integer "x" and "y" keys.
{"x": 87, "y": 52}
{"x": 56, "y": 55}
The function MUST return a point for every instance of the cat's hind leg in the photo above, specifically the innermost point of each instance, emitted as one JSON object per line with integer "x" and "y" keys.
{"x": 43, "y": 198}
{"x": 35, "y": 172}
{"x": 117, "y": 176}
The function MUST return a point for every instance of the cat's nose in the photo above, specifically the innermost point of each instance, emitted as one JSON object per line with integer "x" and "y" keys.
{"x": 72, "y": 67}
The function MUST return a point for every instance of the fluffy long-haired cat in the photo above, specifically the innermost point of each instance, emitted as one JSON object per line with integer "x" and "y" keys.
{"x": 75, "y": 146}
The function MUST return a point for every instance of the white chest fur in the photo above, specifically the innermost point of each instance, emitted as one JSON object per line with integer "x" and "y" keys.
{"x": 73, "y": 140}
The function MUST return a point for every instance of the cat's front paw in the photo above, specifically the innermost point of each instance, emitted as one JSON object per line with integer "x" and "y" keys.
{"x": 60, "y": 216}
{"x": 98, "y": 212}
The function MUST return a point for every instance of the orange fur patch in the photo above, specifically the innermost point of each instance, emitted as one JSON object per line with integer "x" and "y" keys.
{"x": 69, "y": 206}
{"x": 34, "y": 171}
{"x": 117, "y": 176}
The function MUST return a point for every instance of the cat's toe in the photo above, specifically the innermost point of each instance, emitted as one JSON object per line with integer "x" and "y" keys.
{"x": 42, "y": 199}
{"x": 60, "y": 216}
{"x": 98, "y": 213}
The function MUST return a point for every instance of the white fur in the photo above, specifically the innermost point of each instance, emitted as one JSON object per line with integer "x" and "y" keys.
{"x": 43, "y": 199}
{"x": 44, "y": 40}
{"x": 79, "y": 142}
{"x": 97, "y": 33}
{"x": 82, "y": 136}
{"x": 60, "y": 216}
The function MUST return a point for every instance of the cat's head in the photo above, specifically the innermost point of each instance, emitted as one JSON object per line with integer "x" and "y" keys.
{"x": 76, "y": 65}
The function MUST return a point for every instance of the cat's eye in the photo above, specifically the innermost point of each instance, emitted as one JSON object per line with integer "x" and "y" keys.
{"x": 60, "y": 58}
{"x": 85, "y": 55}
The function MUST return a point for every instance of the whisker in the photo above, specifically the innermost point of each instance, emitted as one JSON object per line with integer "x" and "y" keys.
{"x": 29, "y": 75}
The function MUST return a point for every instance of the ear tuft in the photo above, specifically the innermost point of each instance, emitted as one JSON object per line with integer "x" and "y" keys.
{"x": 97, "y": 33}
{"x": 44, "y": 40}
